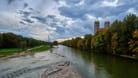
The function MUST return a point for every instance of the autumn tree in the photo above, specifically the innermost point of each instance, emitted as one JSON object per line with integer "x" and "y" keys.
{"x": 115, "y": 43}
{"x": 107, "y": 38}
{"x": 133, "y": 43}
{"x": 120, "y": 38}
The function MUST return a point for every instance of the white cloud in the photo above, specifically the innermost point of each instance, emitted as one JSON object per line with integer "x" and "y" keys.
{"x": 113, "y": 3}
{"x": 133, "y": 11}
{"x": 62, "y": 3}
{"x": 9, "y": 20}
{"x": 41, "y": 31}
{"x": 80, "y": 3}
{"x": 67, "y": 18}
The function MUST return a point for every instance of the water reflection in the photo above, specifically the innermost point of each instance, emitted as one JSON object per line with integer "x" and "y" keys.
{"x": 100, "y": 66}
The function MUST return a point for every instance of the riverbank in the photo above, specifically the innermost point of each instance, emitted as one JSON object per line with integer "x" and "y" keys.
{"x": 133, "y": 57}
{"x": 9, "y": 53}
{"x": 38, "y": 65}
{"x": 121, "y": 56}
{"x": 39, "y": 48}
{"x": 128, "y": 57}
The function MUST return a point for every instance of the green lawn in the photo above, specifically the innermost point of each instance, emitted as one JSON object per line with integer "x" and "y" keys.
{"x": 39, "y": 48}
{"x": 10, "y": 51}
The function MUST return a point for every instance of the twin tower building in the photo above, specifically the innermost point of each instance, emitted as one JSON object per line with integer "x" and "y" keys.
{"x": 97, "y": 26}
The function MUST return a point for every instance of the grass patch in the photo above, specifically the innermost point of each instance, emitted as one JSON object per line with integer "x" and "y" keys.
{"x": 39, "y": 48}
{"x": 9, "y": 51}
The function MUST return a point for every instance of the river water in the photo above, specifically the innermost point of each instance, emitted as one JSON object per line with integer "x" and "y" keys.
{"x": 88, "y": 64}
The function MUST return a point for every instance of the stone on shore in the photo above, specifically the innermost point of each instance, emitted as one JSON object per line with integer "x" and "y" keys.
{"x": 62, "y": 70}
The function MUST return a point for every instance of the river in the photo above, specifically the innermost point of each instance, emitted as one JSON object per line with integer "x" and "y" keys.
{"x": 88, "y": 64}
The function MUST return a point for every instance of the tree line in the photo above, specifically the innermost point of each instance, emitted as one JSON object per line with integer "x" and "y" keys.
{"x": 121, "y": 38}
{"x": 10, "y": 40}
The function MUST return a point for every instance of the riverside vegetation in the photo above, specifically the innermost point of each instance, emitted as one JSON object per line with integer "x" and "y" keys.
{"x": 11, "y": 43}
{"x": 121, "y": 38}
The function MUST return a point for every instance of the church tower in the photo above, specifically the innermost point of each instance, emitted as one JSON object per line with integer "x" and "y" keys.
{"x": 106, "y": 24}
{"x": 96, "y": 26}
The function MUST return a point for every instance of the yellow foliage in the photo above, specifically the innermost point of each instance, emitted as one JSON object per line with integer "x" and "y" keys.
{"x": 93, "y": 41}
{"x": 115, "y": 44}
{"x": 115, "y": 36}
{"x": 86, "y": 42}
{"x": 135, "y": 49}
{"x": 133, "y": 44}
{"x": 79, "y": 43}
{"x": 135, "y": 34}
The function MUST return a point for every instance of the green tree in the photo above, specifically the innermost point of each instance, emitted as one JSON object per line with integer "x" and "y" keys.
{"x": 107, "y": 38}
{"x": 23, "y": 45}
{"x": 88, "y": 39}
{"x": 1, "y": 39}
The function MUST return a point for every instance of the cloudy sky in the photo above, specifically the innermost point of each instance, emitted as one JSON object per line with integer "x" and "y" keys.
{"x": 60, "y": 18}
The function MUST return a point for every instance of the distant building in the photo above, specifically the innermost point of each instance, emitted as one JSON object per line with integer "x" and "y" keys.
{"x": 106, "y": 24}
{"x": 97, "y": 26}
